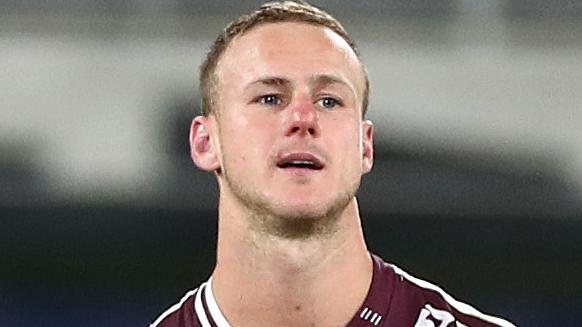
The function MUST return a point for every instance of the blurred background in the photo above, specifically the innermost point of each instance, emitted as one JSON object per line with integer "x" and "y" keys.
{"x": 477, "y": 184}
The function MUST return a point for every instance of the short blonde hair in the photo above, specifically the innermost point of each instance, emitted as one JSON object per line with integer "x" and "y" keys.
{"x": 272, "y": 12}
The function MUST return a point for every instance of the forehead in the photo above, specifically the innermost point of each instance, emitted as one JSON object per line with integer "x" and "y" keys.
{"x": 295, "y": 50}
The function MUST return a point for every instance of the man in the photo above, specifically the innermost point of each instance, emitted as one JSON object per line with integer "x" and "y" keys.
{"x": 283, "y": 130}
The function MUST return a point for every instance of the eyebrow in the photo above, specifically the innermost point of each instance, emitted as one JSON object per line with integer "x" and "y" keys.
{"x": 270, "y": 81}
{"x": 323, "y": 80}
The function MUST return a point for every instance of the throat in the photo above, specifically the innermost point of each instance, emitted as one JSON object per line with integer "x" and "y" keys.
{"x": 261, "y": 274}
{"x": 298, "y": 296}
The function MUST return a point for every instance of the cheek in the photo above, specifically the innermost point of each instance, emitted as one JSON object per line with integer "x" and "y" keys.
{"x": 346, "y": 134}
{"x": 248, "y": 140}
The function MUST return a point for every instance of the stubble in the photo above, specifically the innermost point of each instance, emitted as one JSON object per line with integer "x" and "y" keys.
{"x": 273, "y": 219}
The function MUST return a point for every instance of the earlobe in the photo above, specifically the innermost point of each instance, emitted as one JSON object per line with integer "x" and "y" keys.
{"x": 201, "y": 148}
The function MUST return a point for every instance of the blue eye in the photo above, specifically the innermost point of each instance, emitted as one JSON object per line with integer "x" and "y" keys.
{"x": 270, "y": 100}
{"x": 329, "y": 102}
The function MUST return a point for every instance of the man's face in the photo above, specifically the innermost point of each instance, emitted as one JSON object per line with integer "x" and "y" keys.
{"x": 289, "y": 136}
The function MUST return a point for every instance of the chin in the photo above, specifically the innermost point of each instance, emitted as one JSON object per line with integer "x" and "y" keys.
{"x": 308, "y": 209}
{"x": 302, "y": 218}
{"x": 300, "y": 222}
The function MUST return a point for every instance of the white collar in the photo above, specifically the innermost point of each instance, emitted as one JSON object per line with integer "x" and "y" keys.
{"x": 215, "y": 312}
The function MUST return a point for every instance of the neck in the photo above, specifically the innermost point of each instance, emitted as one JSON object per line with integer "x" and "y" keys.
{"x": 273, "y": 281}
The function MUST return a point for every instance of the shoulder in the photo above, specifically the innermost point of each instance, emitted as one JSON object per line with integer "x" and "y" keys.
{"x": 425, "y": 303}
{"x": 180, "y": 314}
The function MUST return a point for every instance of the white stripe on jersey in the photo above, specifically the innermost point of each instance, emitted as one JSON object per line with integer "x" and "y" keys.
{"x": 215, "y": 312}
{"x": 367, "y": 315}
{"x": 173, "y": 308}
{"x": 462, "y": 307}
{"x": 200, "y": 309}
{"x": 363, "y": 312}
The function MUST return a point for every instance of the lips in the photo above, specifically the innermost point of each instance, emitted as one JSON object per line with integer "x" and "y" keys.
{"x": 300, "y": 160}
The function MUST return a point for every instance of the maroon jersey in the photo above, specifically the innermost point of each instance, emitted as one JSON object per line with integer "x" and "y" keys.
{"x": 395, "y": 299}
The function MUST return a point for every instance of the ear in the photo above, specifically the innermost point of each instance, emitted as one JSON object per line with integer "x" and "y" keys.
{"x": 202, "y": 149}
{"x": 367, "y": 146}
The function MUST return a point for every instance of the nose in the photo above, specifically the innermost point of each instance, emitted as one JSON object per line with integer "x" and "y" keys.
{"x": 302, "y": 120}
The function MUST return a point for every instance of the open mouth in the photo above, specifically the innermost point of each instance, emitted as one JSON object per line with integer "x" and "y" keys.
{"x": 300, "y": 161}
